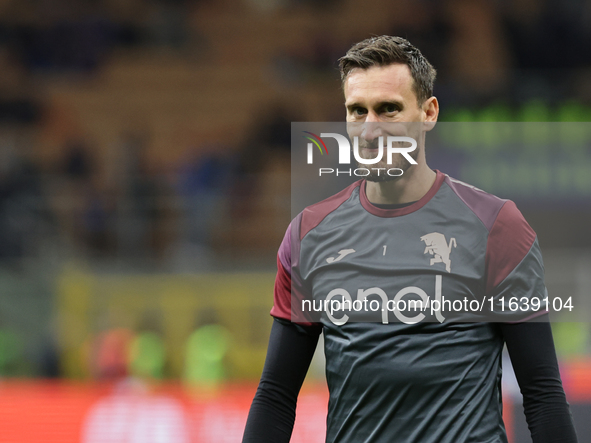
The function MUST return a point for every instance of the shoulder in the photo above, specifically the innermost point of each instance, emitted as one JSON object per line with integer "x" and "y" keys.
{"x": 512, "y": 251}
{"x": 313, "y": 215}
{"x": 487, "y": 207}
{"x": 510, "y": 242}
{"x": 501, "y": 217}
{"x": 308, "y": 219}
{"x": 494, "y": 212}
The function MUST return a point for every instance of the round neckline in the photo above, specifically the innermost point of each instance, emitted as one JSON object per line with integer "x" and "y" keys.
{"x": 369, "y": 207}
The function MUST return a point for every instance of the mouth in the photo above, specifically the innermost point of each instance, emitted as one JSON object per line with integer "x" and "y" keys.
{"x": 370, "y": 148}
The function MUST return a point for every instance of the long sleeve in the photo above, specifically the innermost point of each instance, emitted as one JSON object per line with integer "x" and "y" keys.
{"x": 533, "y": 356}
{"x": 272, "y": 413}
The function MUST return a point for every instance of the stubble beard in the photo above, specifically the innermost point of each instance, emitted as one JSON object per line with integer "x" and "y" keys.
{"x": 378, "y": 172}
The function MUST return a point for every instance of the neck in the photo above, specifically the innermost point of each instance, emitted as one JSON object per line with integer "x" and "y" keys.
{"x": 411, "y": 186}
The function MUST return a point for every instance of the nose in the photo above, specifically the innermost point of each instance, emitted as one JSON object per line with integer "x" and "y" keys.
{"x": 371, "y": 127}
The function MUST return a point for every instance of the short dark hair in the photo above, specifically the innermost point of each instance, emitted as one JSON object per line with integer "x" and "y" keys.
{"x": 386, "y": 50}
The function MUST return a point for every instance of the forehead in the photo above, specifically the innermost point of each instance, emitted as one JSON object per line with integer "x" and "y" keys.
{"x": 392, "y": 82}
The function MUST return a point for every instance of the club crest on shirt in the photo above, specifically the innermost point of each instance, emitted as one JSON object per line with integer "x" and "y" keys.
{"x": 438, "y": 247}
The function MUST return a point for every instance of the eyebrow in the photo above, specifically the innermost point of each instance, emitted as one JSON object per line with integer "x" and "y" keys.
{"x": 381, "y": 104}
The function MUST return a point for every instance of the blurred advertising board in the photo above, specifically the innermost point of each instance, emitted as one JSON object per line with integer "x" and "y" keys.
{"x": 130, "y": 412}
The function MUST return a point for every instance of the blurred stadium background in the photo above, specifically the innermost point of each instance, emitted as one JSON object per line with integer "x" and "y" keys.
{"x": 145, "y": 188}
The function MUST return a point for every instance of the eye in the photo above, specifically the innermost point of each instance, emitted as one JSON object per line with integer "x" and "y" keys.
{"x": 358, "y": 112}
{"x": 390, "y": 108}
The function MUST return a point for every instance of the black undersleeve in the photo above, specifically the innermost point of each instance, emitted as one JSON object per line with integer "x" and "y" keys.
{"x": 533, "y": 357}
{"x": 272, "y": 413}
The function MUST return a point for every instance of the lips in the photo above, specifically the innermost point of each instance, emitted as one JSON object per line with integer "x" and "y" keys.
{"x": 371, "y": 147}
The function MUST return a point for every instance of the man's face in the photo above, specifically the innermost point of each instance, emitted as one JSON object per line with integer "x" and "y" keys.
{"x": 377, "y": 99}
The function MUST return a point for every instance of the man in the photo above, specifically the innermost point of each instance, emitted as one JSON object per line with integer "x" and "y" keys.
{"x": 409, "y": 381}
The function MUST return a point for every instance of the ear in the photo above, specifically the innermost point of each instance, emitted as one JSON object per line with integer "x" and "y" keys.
{"x": 431, "y": 110}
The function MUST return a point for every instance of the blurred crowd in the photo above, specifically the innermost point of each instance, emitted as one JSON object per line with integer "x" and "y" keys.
{"x": 116, "y": 354}
{"x": 489, "y": 55}
{"x": 118, "y": 206}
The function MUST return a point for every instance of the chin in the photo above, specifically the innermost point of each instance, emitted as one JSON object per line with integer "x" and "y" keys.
{"x": 381, "y": 178}
{"x": 383, "y": 175}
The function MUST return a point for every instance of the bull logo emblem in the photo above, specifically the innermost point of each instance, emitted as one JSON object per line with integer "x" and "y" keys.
{"x": 438, "y": 247}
